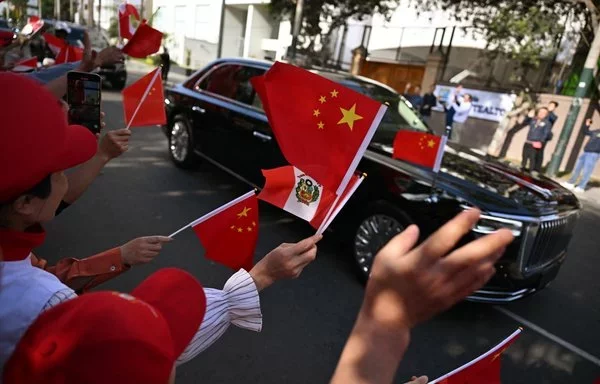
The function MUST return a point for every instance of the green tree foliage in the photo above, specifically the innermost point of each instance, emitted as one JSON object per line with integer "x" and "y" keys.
{"x": 524, "y": 30}
{"x": 321, "y": 17}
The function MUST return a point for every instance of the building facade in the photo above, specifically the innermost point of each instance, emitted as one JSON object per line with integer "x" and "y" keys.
{"x": 193, "y": 27}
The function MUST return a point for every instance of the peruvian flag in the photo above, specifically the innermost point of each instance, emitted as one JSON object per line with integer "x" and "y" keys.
{"x": 143, "y": 101}
{"x": 301, "y": 195}
{"x": 420, "y": 148}
{"x": 484, "y": 369}
{"x": 26, "y": 65}
{"x": 144, "y": 42}
{"x": 229, "y": 233}
{"x": 126, "y": 10}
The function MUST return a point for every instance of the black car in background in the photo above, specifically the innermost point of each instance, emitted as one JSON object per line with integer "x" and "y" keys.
{"x": 115, "y": 74}
{"x": 226, "y": 126}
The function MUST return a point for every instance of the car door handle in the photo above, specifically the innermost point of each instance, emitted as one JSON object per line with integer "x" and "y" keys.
{"x": 196, "y": 108}
{"x": 262, "y": 136}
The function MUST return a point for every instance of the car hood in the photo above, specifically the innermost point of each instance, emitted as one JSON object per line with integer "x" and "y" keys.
{"x": 495, "y": 186}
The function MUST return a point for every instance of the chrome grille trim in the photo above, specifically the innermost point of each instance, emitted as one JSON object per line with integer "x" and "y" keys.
{"x": 545, "y": 242}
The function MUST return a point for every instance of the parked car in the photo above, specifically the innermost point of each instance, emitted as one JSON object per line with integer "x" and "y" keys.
{"x": 115, "y": 74}
{"x": 226, "y": 126}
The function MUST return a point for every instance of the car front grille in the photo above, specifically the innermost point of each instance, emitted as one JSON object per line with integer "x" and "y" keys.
{"x": 550, "y": 241}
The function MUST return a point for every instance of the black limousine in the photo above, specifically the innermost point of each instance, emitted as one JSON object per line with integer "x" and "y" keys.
{"x": 212, "y": 125}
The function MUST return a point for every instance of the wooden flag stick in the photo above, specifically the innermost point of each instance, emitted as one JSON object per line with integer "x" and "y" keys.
{"x": 343, "y": 202}
{"x": 214, "y": 213}
{"x": 144, "y": 96}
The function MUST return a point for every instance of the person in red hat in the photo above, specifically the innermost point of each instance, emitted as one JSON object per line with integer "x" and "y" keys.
{"x": 32, "y": 159}
{"x": 67, "y": 343}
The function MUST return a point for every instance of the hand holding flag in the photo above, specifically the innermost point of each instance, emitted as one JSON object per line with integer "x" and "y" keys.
{"x": 143, "y": 101}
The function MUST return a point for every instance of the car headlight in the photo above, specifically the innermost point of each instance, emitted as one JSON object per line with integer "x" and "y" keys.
{"x": 490, "y": 224}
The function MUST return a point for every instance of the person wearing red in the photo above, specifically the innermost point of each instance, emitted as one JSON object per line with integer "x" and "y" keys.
{"x": 156, "y": 323}
{"x": 33, "y": 185}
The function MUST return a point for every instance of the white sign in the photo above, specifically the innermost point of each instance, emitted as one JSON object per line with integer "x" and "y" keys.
{"x": 486, "y": 105}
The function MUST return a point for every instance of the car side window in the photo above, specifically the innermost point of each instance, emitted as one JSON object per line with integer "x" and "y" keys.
{"x": 221, "y": 81}
{"x": 233, "y": 82}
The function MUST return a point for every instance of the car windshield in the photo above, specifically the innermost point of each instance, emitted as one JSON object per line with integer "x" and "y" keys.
{"x": 399, "y": 116}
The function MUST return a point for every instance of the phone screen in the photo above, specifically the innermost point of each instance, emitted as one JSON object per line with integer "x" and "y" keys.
{"x": 83, "y": 96}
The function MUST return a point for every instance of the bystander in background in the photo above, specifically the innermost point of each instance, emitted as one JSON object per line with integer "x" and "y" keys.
{"x": 540, "y": 130}
{"x": 429, "y": 102}
{"x": 587, "y": 161}
{"x": 415, "y": 97}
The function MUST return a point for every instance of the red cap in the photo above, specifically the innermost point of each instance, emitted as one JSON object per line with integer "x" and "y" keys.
{"x": 110, "y": 337}
{"x": 35, "y": 139}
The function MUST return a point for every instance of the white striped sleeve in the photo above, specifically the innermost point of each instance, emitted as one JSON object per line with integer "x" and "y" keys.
{"x": 59, "y": 297}
{"x": 238, "y": 304}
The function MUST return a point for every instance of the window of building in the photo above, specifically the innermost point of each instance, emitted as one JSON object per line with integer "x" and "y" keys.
{"x": 202, "y": 22}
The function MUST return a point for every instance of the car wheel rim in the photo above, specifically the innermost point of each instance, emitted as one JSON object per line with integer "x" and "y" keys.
{"x": 179, "y": 141}
{"x": 372, "y": 234}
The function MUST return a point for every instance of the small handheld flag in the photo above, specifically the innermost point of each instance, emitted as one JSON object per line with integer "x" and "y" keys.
{"x": 420, "y": 148}
{"x": 484, "y": 369}
{"x": 144, "y": 42}
{"x": 26, "y": 65}
{"x": 229, "y": 233}
{"x": 143, "y": 101}
{"x": 126, "y": 10}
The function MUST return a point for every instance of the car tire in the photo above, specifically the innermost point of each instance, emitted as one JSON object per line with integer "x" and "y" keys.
{"x": 181, "y": 145}
{"x": 377, "y": 225}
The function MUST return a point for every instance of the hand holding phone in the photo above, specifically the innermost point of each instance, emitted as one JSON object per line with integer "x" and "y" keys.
{"x": 84, "y": 97}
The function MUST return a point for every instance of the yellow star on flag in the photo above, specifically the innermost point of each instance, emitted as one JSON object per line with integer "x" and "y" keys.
{"x": 316, "y": 112}
{"x": 244, "y": 213}
{"x": 321, "y": 125}
{"x": 349, "y": 116}
{"x": 431, "y": 143}
{"x": 240, "y": 230}
{"x": 254, "y": 224}
{"x": 322, "y": 99}
{"x": 334, "y": 93}
{"x": 249, "y": 229}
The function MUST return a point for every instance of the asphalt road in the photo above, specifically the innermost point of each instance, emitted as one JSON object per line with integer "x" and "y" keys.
{"x": 307, "y": 321}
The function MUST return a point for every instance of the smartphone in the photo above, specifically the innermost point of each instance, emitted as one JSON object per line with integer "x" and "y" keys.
{"x": 84, "y": 96}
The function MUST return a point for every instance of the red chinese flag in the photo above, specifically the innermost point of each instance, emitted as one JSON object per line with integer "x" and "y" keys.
{"x": 417, "y": 148}
{"x": 143, "y": 101}
{"x": 54, "y": 43}
{"x": 230, "y": 236}
{"x": 144, "y": 42}
{"x": 69, "y": 54}
{"x": 26, "y": 65}
{"x": 484, "y": 369}
{"x": 322, "y": 127}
